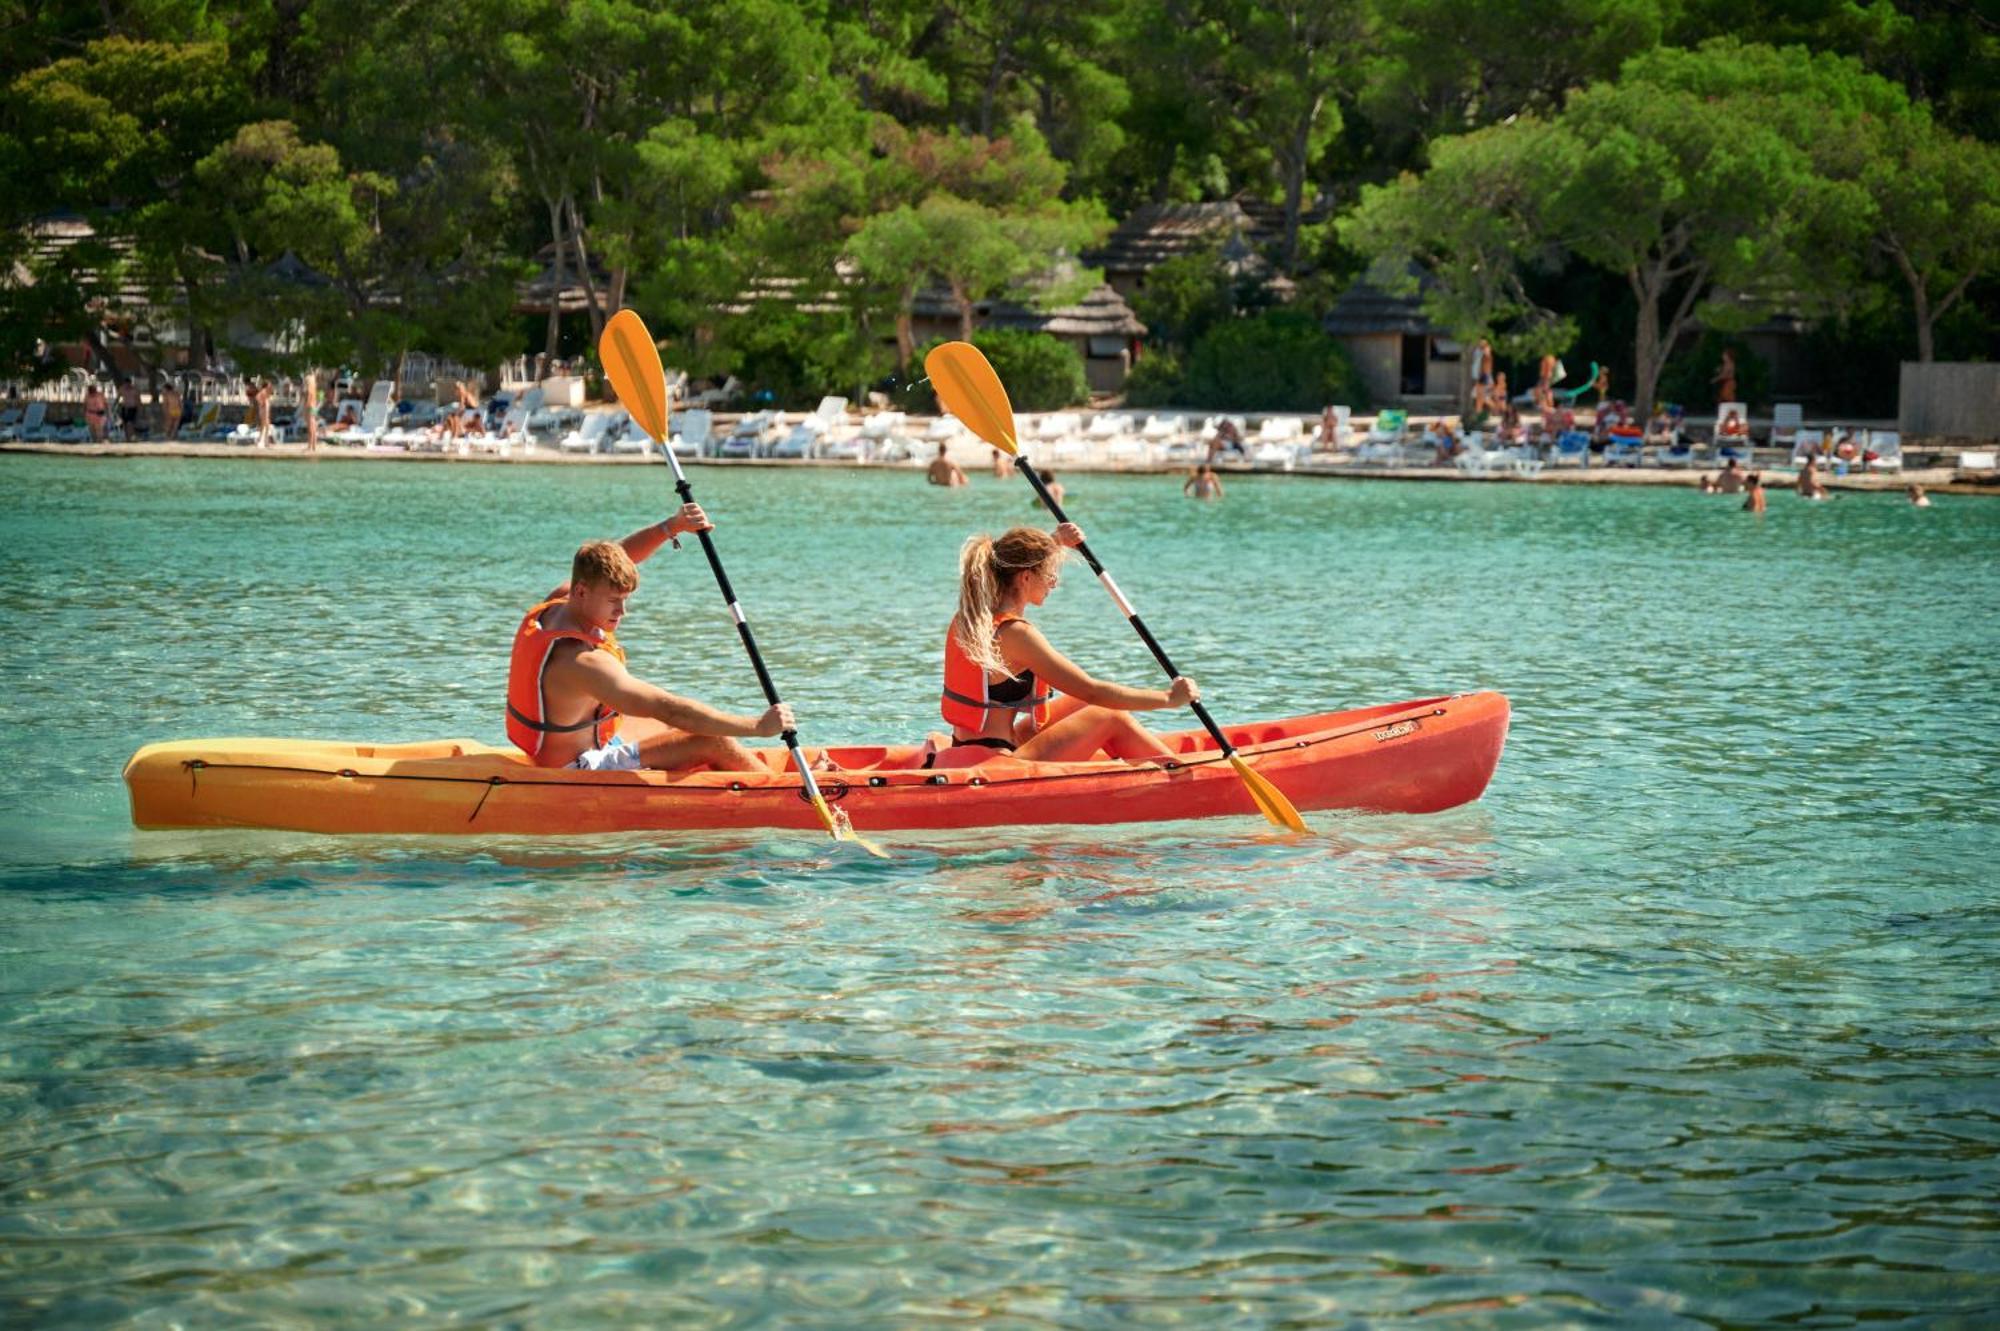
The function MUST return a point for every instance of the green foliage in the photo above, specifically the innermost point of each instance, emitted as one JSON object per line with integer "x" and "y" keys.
{"x": 1041, "y": 373}
{"x": 1694, "y": 174}
{"x": 1279, "y": 360}
{"x": 1185, "y": 297}
{"x": 1690, "y": 377}
{"x": 1560, "y": 172}
{"x": 791, "y": 357}
{"x": 1157, "y": 380}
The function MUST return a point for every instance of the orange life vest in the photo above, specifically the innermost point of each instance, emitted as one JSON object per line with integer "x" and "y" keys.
{"x": 968, "y": 694}
{"x": 527, "y": 712}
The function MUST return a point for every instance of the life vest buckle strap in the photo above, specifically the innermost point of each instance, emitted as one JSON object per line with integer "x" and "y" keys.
{"x": 588, "y": 723}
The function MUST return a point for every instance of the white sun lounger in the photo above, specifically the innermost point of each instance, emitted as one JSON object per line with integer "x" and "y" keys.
{"x": 591, "y": 436}
{"x": 374, "y": 419}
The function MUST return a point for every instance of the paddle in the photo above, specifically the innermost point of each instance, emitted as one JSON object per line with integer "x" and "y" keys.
{"x": 632, "y": 362}
{"x": 967, "y": 387}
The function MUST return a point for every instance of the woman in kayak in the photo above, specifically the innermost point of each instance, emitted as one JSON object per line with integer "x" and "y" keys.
{"x": 1001, "y": 676}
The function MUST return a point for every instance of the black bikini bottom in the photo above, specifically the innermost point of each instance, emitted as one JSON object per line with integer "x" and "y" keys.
{"x": 983, "y": 742}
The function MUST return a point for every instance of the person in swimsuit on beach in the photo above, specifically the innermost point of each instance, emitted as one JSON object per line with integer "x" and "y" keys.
{"x": 1001, "y": 676}
{"x": 128, "y": 409}
{"x": 95, "y": 409}
{"x": 943, "y": 471}
{"x": 1203, "y": 483}
{"x": 572, "y": 703}
{"x": 1482, "y": 377}
{"x": 170, "y": 411}
{"x": 309, "y": 408}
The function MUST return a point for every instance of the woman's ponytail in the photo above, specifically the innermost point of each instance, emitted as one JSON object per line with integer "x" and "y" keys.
{"x": 978, "y": 598}
{"x": 984, "y": 568}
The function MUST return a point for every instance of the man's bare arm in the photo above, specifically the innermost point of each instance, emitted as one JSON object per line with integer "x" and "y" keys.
{"x": 603, "y": 677}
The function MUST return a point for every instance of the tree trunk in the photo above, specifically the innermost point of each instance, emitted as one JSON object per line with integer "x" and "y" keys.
{"x": 906, "y": 339}
{"x": 1647, "y": 362}
{"x": 554, "y": 342}
{"x": 598, "y": 314}
{"x": 992, "y": 90}
{"x": 197, "y": 349}
{"x": 1295, "y": 182}
{"x": 964, "y": 302}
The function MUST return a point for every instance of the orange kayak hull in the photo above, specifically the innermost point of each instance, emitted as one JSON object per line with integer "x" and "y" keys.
{"x": 1410, "y": 757}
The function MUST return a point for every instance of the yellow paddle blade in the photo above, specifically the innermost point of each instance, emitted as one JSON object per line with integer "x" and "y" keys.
{"x": 632, "y": 363}
{"x": 967, "y": 388}
{"x": 1271, "y": 801}
{"x": 843, "y": 830}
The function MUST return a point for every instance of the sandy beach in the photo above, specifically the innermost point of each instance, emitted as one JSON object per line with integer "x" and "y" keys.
{"x": 974, "y": 456}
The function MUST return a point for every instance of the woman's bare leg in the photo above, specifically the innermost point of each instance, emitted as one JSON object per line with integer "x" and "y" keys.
{"x": 1080, "y": 734}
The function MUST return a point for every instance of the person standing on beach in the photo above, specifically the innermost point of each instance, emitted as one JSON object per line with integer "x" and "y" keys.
{"x": 1482, "y": 377}
{"x": 567, "y": 686}
{"x": 1725, "y": 377}
{"x": 1202, "y": 483}
{"x": 943, "y": 471}
{"x": 129, "y": 402}
{"x": 170, "y": 411}
{"x": 260, "y": 407}
{"x": 309, "y": 406}
{"x": 1753, "y": 493}
{"x": 95, "y": 410}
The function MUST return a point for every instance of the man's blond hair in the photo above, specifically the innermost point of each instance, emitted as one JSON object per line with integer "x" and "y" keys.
{"x": 604, "y": 564}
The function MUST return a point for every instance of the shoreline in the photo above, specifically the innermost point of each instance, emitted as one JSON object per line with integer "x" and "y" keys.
{"x": 1938, "y": 480}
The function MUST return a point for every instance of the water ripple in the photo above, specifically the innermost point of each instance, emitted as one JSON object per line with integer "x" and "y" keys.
{"x": 1691, "y": 1022}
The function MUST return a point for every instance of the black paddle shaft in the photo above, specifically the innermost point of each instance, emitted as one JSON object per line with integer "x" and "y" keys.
{"x": 1022, "y": 465}
{"x": 790, "y": 737}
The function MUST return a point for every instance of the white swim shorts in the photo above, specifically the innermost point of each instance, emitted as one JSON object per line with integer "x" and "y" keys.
{"x": 616, "y": 756}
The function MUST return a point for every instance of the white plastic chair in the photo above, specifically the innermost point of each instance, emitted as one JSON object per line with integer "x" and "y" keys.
{"x": 1786, "y": 418}
{"x": 1734, "y": 446}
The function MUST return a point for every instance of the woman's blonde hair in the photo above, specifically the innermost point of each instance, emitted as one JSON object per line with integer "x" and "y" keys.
{"x": 985, "y": 565}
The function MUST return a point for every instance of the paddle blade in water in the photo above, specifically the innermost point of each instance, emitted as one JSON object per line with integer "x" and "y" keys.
{"x": 836, "y": 821}
{"x": 967, "y": 387}
{"x": 1271, "y": 801}
{"x": 632, "y": 362}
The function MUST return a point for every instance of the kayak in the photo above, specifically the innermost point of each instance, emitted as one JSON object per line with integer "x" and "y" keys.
{"x": 1408, "y": 757}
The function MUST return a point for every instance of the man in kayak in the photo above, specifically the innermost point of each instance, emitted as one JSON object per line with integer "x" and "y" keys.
{"x": 1001, "y": 674}
{"x": 567, "y": 686}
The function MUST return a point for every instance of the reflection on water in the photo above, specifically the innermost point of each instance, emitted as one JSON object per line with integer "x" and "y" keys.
{"x": 1691, "y": 1021}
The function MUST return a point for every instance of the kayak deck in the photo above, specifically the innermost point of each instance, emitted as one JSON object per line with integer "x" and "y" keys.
{"x": 1410, "y": 757}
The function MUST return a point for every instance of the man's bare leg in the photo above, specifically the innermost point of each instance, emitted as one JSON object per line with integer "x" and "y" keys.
{"x": 665, "y": 749}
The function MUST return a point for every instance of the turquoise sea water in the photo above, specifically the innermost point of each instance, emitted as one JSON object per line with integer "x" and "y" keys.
{"x": 1691, "y": 1022}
